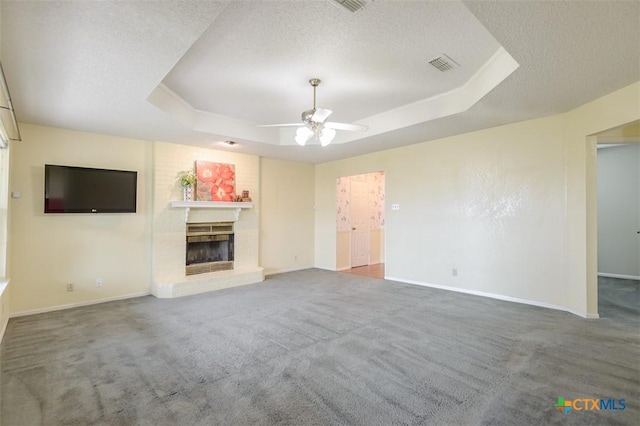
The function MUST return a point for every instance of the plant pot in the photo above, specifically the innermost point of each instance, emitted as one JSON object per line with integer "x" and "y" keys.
{"x": 187, "y": 193}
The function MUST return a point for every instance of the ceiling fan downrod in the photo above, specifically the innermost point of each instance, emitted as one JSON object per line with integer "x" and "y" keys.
{"x": 314, "y": 82}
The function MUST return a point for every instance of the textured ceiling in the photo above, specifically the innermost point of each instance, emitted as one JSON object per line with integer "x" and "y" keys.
{"x": 254, "y": 63}
{"x": 91, "y": 66}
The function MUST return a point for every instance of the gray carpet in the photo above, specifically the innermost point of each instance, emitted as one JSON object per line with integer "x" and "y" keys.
{"x": 317, "y": 347}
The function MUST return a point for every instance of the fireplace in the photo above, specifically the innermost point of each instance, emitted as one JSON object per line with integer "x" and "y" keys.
{"x": 209, "y": 247}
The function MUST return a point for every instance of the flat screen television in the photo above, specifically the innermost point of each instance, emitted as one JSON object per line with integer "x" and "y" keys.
{"x": 70, "y": 189}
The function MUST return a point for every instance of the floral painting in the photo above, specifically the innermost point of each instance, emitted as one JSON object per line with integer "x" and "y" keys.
{"x": 216, "y": 181}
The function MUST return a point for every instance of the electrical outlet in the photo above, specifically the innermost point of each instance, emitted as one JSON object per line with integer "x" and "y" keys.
{"x": 69, "y": 286}
{"x": 454, "y": 272}
{"x": 295, "y": 258}
{"x": 98, "y": 282}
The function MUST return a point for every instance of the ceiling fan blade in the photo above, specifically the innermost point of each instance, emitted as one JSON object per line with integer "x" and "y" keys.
{"x": 282, "y": 125}
{"x": 345, "y": 126}
{"x": 320, "y": 115}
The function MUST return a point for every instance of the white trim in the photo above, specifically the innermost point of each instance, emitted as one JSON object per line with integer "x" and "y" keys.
{"x": 3, "y": 329}
{"x": 3, "y": 286}
{"x": 612, "y": 141}
{"x": 188, "y": 205}
{"x": 583, "y": 314}
{"x": 624, "y": 277}
{"x": 496, "y": 296}
{"x": 211, "y": 205}
{"x": 322, "y": 268}
{"x": 77, "y": 305}
{"x": 282, "y": 271}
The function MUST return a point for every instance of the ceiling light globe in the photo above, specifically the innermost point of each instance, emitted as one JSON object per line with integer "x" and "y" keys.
{"x": 326, "y": 136}
{"x": 303, "y": 134}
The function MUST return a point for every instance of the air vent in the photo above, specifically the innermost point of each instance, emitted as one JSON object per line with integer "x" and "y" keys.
{"x": 444, "y": 63}
{"x": 350, "y": 5}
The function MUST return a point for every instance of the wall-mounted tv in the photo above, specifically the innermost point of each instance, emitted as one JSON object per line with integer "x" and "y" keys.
{"x": 70, "y": 189}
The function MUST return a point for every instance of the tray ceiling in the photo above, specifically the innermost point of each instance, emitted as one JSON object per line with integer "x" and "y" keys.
{"x": 201, "y": 72}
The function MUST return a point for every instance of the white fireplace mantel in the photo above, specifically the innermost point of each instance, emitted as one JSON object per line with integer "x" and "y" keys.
{"x": 188, "y": 205}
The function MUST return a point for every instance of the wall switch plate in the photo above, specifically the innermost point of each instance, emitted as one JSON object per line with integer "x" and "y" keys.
{"x": 69, "y": 286}
{"x": 454, "y": 272}
{"x": 395, "y": 206}
{"x": 98, "y": 282}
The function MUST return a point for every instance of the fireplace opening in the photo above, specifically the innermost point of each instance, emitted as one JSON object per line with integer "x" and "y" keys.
{"x": 209, "y": 247}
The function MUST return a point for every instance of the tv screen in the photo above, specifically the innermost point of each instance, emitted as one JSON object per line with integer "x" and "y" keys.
{"x": 85, "y": 190}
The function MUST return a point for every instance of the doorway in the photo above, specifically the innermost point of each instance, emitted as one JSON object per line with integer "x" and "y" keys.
{"x": 618, "y": 220}
{"x": 360, "y": 229}
{"x": 360, "y": 222}
{"x": 371, "y": 271}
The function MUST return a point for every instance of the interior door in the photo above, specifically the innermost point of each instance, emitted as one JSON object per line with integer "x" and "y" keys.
{"x": 360, "y": 235}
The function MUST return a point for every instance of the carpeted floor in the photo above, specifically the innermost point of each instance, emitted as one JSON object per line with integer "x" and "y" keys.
{"x": 316, "y": 347}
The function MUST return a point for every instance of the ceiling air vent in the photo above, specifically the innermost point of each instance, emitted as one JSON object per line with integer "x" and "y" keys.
{"x": 444, "y": 63}
{"x": 351, "y": 5}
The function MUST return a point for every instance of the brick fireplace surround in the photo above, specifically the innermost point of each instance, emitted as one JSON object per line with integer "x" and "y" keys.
{"x": 169, "y": 223}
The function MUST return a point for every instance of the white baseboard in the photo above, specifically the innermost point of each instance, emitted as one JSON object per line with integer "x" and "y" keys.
{"x": 76, "y": 305}
{"x": 582, "y": 314}
{"x": 282, "y": 271}
{"x": 624, "y": 277}
{"x": 496, "y": 296}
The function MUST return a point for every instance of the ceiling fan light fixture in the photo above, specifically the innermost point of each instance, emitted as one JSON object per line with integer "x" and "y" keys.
{"x": 314, "y": 125}
{"x": 303, "y": 134}
{"x": 326, "y": 136}
{"x": 320, "y": 115}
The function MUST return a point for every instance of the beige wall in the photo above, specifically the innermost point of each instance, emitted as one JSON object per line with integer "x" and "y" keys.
{"x": 486, "y": 204}
{"x": 50, "y": 250}
{"x": 326, "y": 236}
{"x": 286, "y": 222}
{"x": 377, "y": 247}
{"x": 343, "y": 250}
{"x": 506, "y": 207}
{"x": 613, "y": 110}
{"x": 511, "y": 208}
{"x": 53, "y": 250}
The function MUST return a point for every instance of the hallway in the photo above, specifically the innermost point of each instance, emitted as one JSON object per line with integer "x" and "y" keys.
{"x": 373, "y": 271}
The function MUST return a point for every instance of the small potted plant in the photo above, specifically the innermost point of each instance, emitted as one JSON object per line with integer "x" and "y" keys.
{"x": 188, "y": 182}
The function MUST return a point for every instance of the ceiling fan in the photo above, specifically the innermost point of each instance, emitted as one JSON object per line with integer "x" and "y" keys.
{"x": 314, "y": 125}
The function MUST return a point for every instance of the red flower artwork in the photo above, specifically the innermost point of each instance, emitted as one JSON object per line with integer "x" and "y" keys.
{"x": 216, "y": 181}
